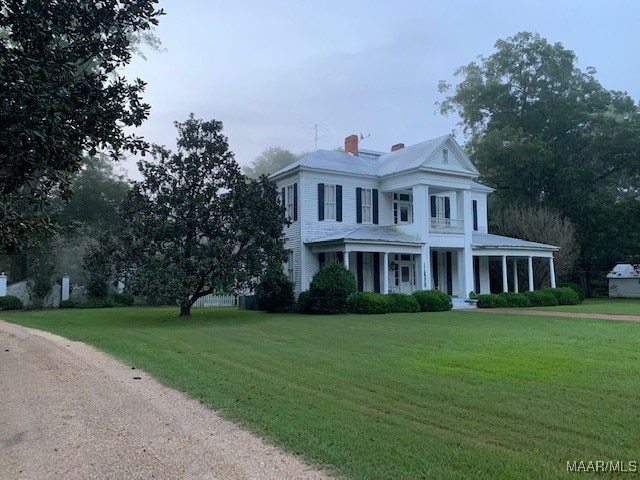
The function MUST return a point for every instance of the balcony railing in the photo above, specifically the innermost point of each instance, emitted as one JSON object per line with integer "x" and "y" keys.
{"x": 446, "y": 225}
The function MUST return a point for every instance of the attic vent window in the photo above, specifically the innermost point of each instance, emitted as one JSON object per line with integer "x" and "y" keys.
{"x": 445, "y": 155}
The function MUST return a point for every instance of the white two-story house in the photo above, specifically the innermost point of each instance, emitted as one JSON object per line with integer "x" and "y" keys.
{"x": 412, "y": 219}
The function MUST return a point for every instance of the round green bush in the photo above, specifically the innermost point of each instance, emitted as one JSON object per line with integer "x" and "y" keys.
{"x": 124, "y": 299}
{"x": 331, "y": 288}
{"x": 401, "y": 303}
{"x": 433, "y": 300}
{"x": 303, "y": 305}
{"x": 9, "y": 302}
{"x": 368, "y": 302}
{"x": 492, "y": 300}
{"x": 67, "y": 304}
{"x": 565, "y": 295}
{"x": 542, "y": 298}
{"x": 274, "y": 293}
{"x": 575, "y": 287}
{"x": 516, "y": 300}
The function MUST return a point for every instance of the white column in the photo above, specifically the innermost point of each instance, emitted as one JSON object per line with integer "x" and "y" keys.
{"x": 552, "y": 273}
{"x": 505, "y": 285}
{"x": 515, "y": 275}
{"x": 417, "y": 265}
{"x": 425, "y": 256}
{"x": 421, "y": 211}
{"x": 120, "y": 287}
{"x": 530, "y": 267}
{"x": 385, "y": 272}
{"x": 3, "y": 285}
{"x": 65, "y": 288}
{"x": 345, "y": 256}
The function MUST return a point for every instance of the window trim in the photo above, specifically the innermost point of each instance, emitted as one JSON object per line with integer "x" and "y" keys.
{"x": 366, "y": 218}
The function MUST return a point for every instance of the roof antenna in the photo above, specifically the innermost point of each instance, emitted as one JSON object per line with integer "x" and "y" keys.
{"x": 362, "y": 137}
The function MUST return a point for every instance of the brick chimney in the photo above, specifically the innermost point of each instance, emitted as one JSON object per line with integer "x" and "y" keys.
{"x": 351, "y": 145}
{"x": 397, "y": 146}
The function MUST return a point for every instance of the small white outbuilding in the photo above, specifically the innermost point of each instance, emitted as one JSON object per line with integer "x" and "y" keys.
{"x": 624, "y": 281}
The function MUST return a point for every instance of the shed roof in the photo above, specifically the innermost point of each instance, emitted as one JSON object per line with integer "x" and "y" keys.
{"x": 625, "y": 270}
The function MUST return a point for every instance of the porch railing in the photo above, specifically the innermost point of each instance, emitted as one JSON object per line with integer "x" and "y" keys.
{"x": 446, "y": 225}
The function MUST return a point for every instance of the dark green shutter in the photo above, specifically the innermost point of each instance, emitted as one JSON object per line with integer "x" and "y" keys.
{"x": 284, "y": 200}
{"x": 321, "y": 259}
{"x": 376, "y": 272}
{"x": 340, "y": 257}
{"x": 447, "y": 207}
{"x": 358, "y": 205}
{"x": 475, "y": 215}
{"x": 359, "y": 271}
{"x": 433, "y": 206}
{"x": 339, "y": 203}
{"x": 434, "y": 268}
{"x": 449, "y": 274}
{"x": 321, "y": 201}
{"x": 476, "y": 274}
{"x": 375, "y": 206}
{"x": 295, "y": 202}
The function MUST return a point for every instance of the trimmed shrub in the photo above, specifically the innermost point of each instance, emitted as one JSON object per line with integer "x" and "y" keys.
{"x": 125, "y": 299}
{"x": 492, "y": 300}
{"x": 565, "y": 295}
{"x": 516, "y": 300}
{"x": 368, "y": 302}
{"x": 67, "y": 304}
{"x": 542, "y": 298}
{"x": 304, "y": 302}
{"x": 433, "y": 301}
{"x": 274, "y": 293}
{"x": 9, "y": 302}
{"x": 331, "y": 288}
{"x": 401, "y": 303}
{"x": 575, "y": 287}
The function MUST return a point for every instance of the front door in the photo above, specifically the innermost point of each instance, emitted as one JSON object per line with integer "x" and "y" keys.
{"x": 406, "y": 276}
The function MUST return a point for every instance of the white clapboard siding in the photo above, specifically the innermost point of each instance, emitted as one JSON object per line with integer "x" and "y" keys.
{"x": 210, "y": 301}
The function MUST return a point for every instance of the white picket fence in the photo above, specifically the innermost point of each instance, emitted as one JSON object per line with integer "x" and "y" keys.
{"x": 211, "y": 301}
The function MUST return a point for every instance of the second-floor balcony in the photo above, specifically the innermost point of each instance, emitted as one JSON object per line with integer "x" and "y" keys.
{"x": 446, "y": 225}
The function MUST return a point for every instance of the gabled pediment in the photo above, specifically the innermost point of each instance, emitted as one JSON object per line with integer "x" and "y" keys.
{"x": 449, "y": 156}
{"x": 428, "y": 155}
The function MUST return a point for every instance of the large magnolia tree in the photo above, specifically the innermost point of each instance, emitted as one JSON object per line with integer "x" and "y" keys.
{"x": 196, "y": 225}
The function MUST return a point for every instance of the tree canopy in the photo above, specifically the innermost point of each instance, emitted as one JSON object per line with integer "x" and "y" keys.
{"x": 545, "y": 133}
{"x": 270, "y": 161}
{"x": 61, "y": 98}
{"x": 195, "y": 224}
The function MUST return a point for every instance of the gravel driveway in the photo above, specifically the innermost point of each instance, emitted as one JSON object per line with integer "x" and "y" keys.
{"x": 68, "y": 411}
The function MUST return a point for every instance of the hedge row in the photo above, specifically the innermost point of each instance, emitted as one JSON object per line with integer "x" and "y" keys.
{"x": 541, "y": 298}
{"x": 376, "y": 303}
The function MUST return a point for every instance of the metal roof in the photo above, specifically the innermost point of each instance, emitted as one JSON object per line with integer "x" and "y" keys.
{"x": 368, "y": 233}
{"x": 625, "y": 270}
{"x": 381, "y": 164}
{"x": 488, "y": 240}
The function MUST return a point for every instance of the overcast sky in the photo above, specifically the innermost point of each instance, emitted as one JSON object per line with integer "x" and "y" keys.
{"x": 270, "y": 70}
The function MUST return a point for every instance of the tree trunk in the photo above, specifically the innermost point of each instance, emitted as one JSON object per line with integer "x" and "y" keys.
{"x": 185, "y": 310}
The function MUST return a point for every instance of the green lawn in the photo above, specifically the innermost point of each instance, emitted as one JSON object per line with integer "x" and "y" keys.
{"x": 614, "y": 306}
{"x": 440, "y": 396}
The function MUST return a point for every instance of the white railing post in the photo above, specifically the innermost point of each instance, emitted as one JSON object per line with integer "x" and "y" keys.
{"x": 3, "y": 285}
{"x": 64, "y": 295}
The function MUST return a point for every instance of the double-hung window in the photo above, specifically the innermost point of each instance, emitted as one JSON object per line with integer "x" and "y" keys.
{"x": 290, "y": 269}
{"x": 366, "y": 197}
{"x": 329, "y": 202}
{"x": 289, "y": 202}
